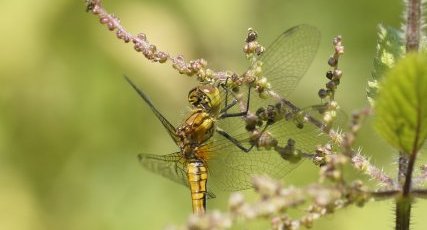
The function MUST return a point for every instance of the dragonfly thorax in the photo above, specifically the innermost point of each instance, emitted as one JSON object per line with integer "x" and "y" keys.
{"x": 196, "y": 129}
{"x": 205, "y": 97}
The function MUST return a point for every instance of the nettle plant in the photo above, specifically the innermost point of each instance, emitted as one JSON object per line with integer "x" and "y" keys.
{"x": 397, "y": 96}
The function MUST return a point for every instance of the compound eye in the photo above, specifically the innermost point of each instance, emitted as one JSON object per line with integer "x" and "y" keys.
{"x": 204, "y": 97}
{"x": 195, "y": 97}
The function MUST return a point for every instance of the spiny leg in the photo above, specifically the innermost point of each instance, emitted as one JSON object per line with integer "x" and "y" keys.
{"x": 239, "y": 144}
{"x": 234, "y": 140}
{"x": 223, "y": 111}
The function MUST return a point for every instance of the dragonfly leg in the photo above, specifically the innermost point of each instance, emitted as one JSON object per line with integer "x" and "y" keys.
{"x": 238, "y": 143}
{"x": 223, "y": 111}
{"x": 227, "y": 107}
{"x": 234, "y": 140}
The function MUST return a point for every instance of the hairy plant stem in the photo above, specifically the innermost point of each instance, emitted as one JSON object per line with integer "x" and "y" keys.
{"x": 403, "y": 168}
{"x": 403, "y": 203}
{"x": 403, "y": 213}
{"x": 420, "y": 193}
{"x": 413, "y": 25}
{"x": 407, "y": 160}
{"x": 408, "y": 181}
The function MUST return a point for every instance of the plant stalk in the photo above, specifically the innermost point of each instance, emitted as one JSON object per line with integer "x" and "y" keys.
{"x": 403, "y": 213}
{"x": 407, "y": 160}
{"x": 413, "y": 25}
{"x": 403, "y": 203}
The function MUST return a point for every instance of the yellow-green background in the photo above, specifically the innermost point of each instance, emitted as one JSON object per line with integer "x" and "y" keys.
{"x": 70, "y": 126}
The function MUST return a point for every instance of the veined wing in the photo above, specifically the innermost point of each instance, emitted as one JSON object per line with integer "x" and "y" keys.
{"x": 169, "y": 127}
{"x": 171, "y": 166}
{"x": 231, "y": 169}
{"x": 287, "y": 59}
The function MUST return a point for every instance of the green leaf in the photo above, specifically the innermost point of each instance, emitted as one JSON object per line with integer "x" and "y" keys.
{"x": 390, "y": 48}
{"x": 401, "y": 105}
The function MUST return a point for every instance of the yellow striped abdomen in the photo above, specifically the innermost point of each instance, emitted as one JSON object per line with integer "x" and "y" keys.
{"x": 197, "y": 178}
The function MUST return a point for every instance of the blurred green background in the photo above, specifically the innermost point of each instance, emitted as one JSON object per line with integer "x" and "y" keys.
{"x": 71, "y": 127}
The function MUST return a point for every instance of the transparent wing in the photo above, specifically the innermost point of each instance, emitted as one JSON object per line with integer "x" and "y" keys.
{"x": 287, "y": 59}
{"x": 169, "y": 127}
{"x": 231, "y": 169}
{"x": 171, "y": 166}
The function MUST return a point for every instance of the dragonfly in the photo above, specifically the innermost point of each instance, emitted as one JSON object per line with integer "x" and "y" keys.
{"x": 211, "y": 141}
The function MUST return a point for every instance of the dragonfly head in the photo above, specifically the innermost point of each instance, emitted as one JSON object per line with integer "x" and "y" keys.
{"x": 205, "y": 97}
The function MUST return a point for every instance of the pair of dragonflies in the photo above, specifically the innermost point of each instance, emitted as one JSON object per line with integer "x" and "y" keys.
{"x": 215, "y": 151}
